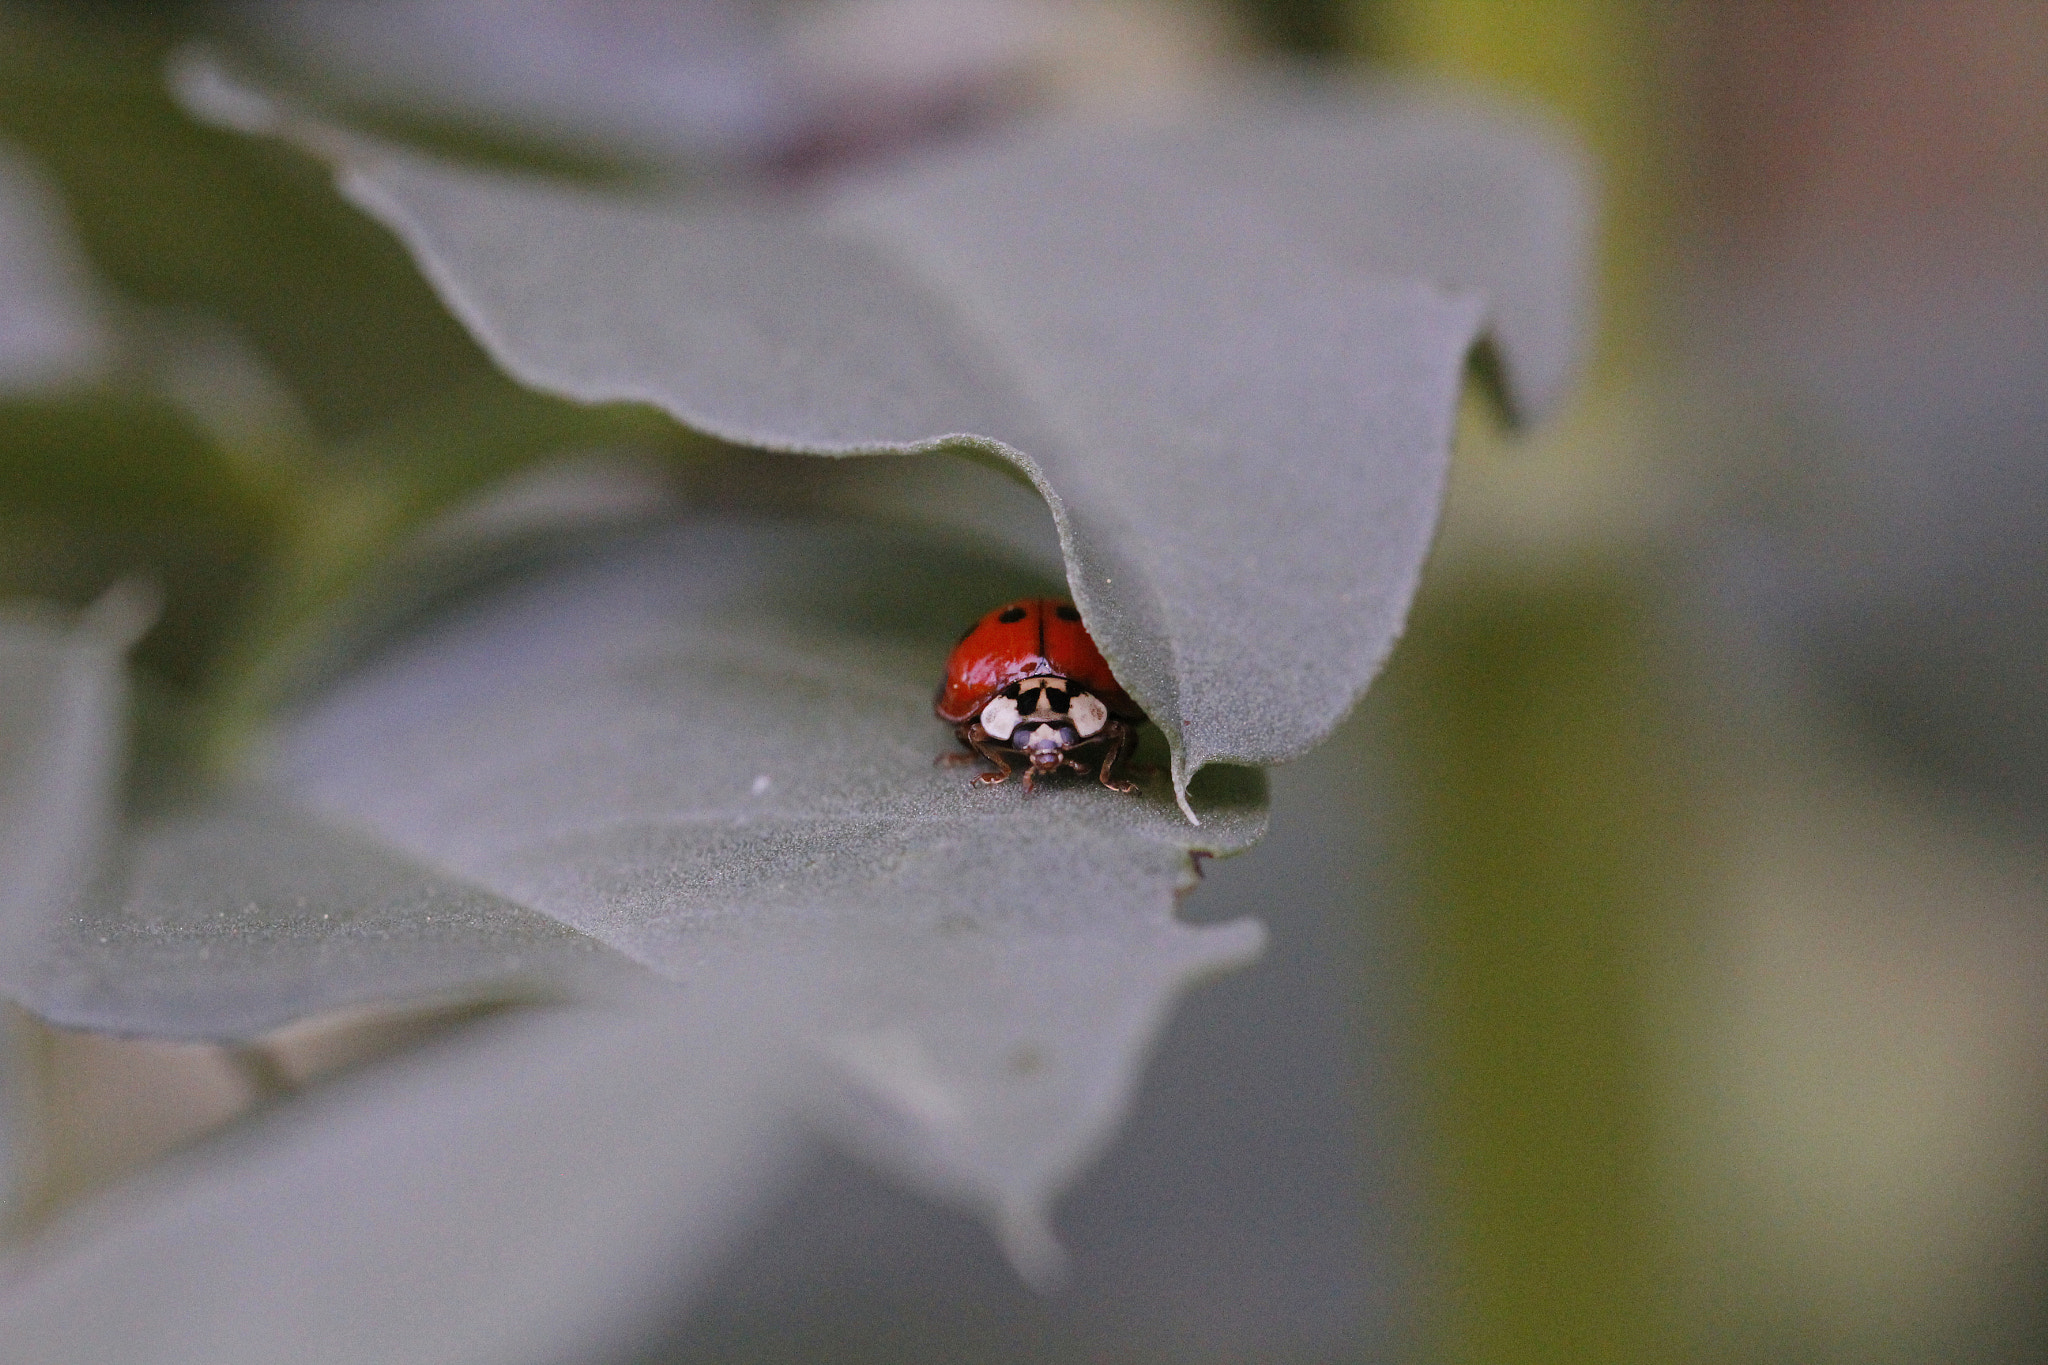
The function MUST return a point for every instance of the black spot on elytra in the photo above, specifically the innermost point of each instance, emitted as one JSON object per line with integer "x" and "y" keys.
{"x": 1011, "y": 615}
{"x": 1066, "y": 613}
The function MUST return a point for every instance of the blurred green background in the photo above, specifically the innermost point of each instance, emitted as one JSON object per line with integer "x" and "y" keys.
{"x": 1731, "y": 1031}
{"x": 1736, "y": 1019}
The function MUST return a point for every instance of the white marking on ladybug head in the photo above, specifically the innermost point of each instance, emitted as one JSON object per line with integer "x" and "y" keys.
{"x": 1089, "y": 714}
{"x": 999, "y": 717}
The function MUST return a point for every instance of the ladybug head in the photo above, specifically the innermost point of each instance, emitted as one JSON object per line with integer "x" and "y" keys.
{"x": 1043, "y": 717}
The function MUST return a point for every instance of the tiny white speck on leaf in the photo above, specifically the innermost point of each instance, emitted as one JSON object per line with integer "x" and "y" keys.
{"x": 761, "y": 785}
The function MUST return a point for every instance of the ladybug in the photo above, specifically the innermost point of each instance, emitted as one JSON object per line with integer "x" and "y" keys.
{"x": 1026, "y": 679}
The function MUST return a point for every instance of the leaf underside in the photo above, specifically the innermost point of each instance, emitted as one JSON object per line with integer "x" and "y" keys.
{"x": 1227, "y": 354}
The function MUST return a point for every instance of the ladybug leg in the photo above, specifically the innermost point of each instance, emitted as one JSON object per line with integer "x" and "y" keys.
{"x": 976, "y": 739}
{"x": 1122, "y": 739}
{"x": 951, "y": 760}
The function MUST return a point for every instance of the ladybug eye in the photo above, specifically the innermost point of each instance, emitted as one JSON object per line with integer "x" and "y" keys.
{"x": 1066, "y": 613}
{"x": 1011, "y": 615}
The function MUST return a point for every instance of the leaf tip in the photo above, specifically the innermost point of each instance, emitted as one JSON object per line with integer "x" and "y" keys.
{"x": 202, "y": 86}
{"x": 208, "y": 89}
{"x": 1028, "y": 1242}
{"x": 123, "y": 614}
{"x": 1181, "y": 778}
{"x": 1235, "y": 944}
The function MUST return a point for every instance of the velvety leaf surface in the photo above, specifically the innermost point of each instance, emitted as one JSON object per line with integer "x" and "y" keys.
{"x": 544, "y": 1187}
{"x": 706, "y": 748}
{"x": 713, "y": 746}
{"x": 1252, "y": 1209}
{"x": 238, "y": 913}
{"x": 1226, "y": 356}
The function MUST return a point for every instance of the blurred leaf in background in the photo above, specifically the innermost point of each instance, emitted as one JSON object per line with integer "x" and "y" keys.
{"x": 179, "y": 217}
{"x": 282, "y": 394}
{"x": 1741, "y": 1054}
{"x": 1870, "y": 1030}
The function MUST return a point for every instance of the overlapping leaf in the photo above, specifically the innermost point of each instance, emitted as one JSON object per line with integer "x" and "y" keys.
{"x": 706, "y": 749}
{"x": 547, "y": 1187}
{"x": 1225, "y": 355}
{"x": 714, "y": 747}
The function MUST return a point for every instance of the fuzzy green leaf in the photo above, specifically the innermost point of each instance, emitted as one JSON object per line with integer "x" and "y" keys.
{"x": 706, "y": 748}
{"x": 1226, "y": 355}
{"x": 547, "y": 1186}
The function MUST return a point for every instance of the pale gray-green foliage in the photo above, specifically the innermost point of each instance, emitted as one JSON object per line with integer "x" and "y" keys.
{"x": 63, "y": 716}
{"x": 544, "y": 1187}
{"x": 705, "y": 747}
{"x": 1226, "y": 355}
{"x": 52, "y": 331}
{"x": 234, "y": 913}
{"x": 716, "y": 745}
{"x": 700, "y": 752}
{"x": 62, "y": 698}
{"x": 699, "y": 80}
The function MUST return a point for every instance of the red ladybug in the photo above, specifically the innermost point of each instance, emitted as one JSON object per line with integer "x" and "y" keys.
{"x": 1027, "y": 679}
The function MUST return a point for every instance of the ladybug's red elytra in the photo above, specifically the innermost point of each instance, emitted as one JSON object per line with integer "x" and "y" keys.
{"x": 1026, "y": 679}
